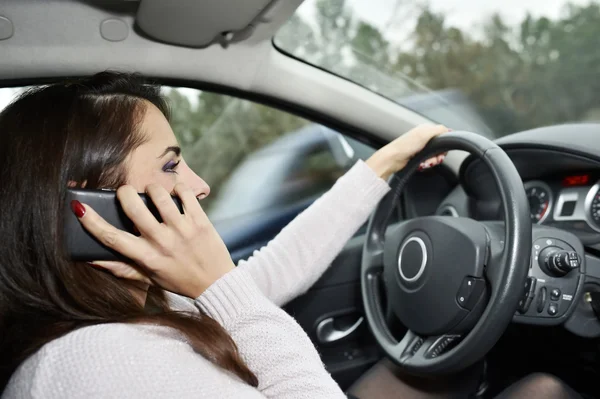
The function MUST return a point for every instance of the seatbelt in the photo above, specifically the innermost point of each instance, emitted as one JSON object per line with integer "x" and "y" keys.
{"x": 593, "y": 298}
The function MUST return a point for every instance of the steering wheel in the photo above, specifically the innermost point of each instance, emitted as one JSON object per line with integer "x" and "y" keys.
{"x": 453, "y": 282}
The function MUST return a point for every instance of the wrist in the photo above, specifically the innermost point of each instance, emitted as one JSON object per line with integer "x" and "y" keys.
{"x": 382, "y": 165}
{"x": 204, "y": 280}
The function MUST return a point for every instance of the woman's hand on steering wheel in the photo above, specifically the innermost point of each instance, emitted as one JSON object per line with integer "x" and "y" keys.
{"x": 184, "y": 254}
{"x": 394, "y": 156}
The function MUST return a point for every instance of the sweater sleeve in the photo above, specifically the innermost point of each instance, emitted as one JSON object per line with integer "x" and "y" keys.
{"x": 295, "y": 259}
{"x": 270, "y": 341}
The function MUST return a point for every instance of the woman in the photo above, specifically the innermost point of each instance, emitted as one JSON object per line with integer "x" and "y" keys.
{"x": 109, "y": 329}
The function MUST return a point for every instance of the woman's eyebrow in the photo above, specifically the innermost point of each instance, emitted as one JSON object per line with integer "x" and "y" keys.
{"x": 175, "y": 149}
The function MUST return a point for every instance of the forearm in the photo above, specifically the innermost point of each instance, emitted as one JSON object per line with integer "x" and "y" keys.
{"x": 290, "y": 264}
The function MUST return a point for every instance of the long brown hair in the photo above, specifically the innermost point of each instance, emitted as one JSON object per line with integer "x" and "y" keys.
{"x": 81, "y": 130}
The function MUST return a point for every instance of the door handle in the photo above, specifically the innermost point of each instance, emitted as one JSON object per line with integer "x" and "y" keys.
{"x": 327, "y": 332}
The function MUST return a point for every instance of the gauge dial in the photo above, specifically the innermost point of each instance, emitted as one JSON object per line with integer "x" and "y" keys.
{"x": 540, "y": 200}
{"x": 594, "y": 205}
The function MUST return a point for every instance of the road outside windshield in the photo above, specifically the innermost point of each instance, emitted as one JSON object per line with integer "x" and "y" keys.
{"x": 498, "y": 66}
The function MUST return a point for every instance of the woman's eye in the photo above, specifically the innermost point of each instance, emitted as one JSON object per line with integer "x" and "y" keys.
{"x": 170, "y": 167}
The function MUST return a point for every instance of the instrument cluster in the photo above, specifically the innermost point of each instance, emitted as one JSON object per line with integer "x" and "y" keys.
{"x": 567, "y": 201}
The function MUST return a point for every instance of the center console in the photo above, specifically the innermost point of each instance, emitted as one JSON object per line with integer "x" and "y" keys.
{"x": 555, "y": 280}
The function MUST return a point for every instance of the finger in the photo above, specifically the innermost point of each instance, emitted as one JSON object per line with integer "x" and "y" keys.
{"x": 138, "y": 212}
{"x": 431, "y": 162}
{"x": 190, "y": 203}
{"x": 121, "y": 241}
{"x": 164, "y": 203}
{"x": 122, "y": 270}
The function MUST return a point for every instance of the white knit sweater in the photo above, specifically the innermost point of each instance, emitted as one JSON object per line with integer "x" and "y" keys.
{"x": 144, "y": 361}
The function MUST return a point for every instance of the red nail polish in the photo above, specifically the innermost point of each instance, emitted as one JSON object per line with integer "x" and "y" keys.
{"x": 77, "y": 208}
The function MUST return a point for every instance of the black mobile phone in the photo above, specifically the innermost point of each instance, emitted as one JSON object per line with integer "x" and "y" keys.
{"x": 82, "y": 245}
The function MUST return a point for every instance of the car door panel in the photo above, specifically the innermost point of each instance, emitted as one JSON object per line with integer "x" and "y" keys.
{"x": 348, "y": 357}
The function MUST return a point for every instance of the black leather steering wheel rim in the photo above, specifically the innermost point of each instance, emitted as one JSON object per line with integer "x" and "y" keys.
{"x": 510, "y": 267}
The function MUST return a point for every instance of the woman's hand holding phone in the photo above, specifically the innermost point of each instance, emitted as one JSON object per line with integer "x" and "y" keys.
{"x": 184, "y": 254}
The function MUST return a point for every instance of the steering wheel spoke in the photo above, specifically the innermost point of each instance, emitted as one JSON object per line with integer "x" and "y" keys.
{"x": 407, "y": 346}
{"x": 493, "y": 273}
{"x": 373, "y": 261}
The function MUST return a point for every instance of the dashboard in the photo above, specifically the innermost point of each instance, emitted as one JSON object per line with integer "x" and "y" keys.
{"x": 560, "y": 170}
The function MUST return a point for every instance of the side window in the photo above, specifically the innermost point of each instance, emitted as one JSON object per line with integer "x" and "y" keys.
{"x": 263, "y": 165}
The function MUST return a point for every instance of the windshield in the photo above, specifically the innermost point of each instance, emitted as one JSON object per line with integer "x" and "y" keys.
{"x": 493, "y": 67}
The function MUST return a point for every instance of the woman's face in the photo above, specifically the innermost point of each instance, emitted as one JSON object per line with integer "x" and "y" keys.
{"x": 159, "y": 159}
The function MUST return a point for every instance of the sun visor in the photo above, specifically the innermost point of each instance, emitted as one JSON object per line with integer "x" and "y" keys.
{"x": 200, "y": 23}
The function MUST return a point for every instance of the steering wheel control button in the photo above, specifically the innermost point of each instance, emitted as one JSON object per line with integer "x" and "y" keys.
{"x": 553, "y": 309}
{"x": 412, "y": 259}
{"x": 541, "y": 301}
{"x": 440, "y": 346}
{"x": 555, "y": 294}
{"x": 469, "y": 292}
{"x": 417, "y": 346}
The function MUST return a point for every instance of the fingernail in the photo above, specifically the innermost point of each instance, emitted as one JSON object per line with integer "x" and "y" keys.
{"x": 78, "y": 208}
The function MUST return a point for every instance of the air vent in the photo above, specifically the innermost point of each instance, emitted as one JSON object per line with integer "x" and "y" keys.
{"x": 447, "y": 210}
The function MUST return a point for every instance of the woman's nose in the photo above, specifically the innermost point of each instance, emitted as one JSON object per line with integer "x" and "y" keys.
{"x": 196, "y": 183}
{"x": 203, "y": 189}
